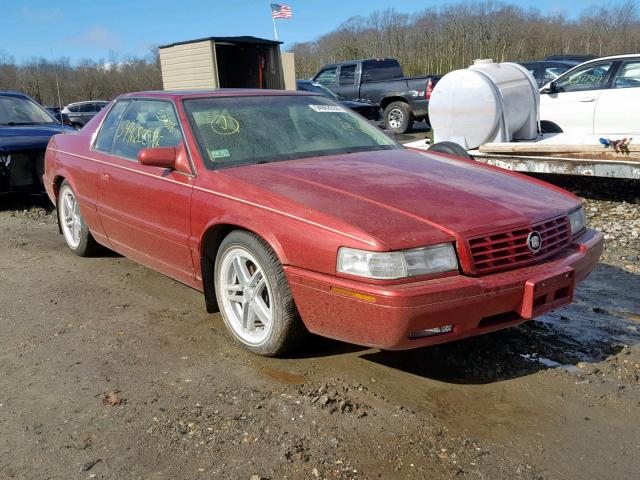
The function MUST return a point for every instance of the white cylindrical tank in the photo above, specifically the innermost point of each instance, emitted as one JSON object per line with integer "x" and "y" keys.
{"x": 487, "y": 102}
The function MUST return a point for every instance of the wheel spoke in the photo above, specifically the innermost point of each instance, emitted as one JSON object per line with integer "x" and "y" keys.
{"x": 248, "y": 317}
{"x": 260, "y": 286}
{"x": 68, "y": 202}
{"x": 261, "y": 310}
{"x": 233, "y": 288}
{"x": 256, "y": 279}
{"x": 241, "y": 270}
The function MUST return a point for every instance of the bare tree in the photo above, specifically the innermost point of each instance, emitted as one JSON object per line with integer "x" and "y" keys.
{"x": 439, "y": 40}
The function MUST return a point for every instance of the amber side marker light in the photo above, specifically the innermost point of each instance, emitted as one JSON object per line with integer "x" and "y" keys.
{"x": 352, "y": 293}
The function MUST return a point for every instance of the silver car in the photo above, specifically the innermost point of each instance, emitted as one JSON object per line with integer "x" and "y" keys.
{"x": 80, "y": 113}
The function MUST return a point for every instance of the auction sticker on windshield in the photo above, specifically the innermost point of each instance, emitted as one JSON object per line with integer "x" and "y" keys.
{"x": 327, "y": 108}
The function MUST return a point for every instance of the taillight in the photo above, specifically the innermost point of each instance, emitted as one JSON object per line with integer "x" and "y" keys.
{"x": 427, "y": 92}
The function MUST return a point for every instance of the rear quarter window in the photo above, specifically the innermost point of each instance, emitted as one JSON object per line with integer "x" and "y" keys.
{"x": 373, "y": 70}
{"x": 347, "y": 75}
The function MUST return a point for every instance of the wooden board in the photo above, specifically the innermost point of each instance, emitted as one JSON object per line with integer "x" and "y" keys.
{"x": 555, "y": 148}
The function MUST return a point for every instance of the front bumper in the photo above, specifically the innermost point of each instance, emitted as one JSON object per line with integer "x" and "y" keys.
{"x": 21, "y": 171}
{"x": 392, "y": 316}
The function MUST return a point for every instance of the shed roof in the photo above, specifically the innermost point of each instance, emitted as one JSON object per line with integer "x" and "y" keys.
{"x": 236, "y": 40}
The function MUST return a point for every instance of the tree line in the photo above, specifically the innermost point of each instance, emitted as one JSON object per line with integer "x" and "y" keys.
{"x": 440, "y": 39}
{"x": 434, "y": 41}
{"x": 87, "y": 79}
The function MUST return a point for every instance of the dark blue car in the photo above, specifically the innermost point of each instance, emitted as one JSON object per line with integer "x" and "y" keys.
{"x": 25, "y": 130}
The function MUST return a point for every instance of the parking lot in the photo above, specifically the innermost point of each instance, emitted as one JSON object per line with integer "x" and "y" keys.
{"x": 111, "y": 370}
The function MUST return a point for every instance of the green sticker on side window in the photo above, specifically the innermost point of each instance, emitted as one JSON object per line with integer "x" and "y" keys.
{"x": 222, "y": 153}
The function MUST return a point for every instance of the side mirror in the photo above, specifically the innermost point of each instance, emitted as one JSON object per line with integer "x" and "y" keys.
{"x": 163, "y": 157}
{"x": 552, "y": 88}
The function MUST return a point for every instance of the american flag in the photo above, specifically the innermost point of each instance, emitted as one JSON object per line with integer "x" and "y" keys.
{"x": 280, "y": 11}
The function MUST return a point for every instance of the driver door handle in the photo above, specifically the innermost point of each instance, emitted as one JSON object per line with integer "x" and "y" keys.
{"x": 105, "y": 176}
{"x": 587, "y": 99}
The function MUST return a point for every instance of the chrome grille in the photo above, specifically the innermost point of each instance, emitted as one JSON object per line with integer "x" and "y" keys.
{"x": 509, "y": 249}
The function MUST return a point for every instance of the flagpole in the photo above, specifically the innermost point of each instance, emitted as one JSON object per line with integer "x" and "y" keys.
{"x": 275, "y": 32}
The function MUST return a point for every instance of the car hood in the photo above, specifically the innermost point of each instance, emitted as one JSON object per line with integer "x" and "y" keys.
{"x": 406, "y": 199}
{"x": 25, "y": 137}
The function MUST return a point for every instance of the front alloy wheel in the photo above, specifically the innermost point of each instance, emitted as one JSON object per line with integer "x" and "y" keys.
{"x": 246, "y": 296}
{"x": 253, "y": 294}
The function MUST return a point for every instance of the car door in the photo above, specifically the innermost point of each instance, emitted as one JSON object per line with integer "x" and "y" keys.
{"x": 346, "y": 85}
{"x": 144, "y": 210}
{"x": 616, "y": 114}
{"x": 571, "y": 105}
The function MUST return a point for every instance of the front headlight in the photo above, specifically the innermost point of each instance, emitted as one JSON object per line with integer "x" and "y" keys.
{"x": 402, "y": 264}
{"x": 577, "y": 221}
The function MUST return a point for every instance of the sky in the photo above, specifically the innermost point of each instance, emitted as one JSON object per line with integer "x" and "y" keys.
{"x": 94, "y": 28}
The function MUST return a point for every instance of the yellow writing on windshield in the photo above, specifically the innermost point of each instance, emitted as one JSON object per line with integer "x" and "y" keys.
{"x": 225, "y": 124}
{"x": 133, "y": 133}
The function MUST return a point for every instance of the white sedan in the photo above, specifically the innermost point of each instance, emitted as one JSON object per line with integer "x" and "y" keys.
{"x": 598, "y": 97}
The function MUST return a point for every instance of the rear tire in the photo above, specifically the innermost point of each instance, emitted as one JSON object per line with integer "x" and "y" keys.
{"x": 450, "y": 148}
{"x": 254, "y": 297}
{"x": 398, "y": 117}
{"x": 75, "y": 231}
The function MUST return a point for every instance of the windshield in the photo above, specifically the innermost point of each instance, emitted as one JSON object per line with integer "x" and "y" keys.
{"x": 22, "y": 111}
{"x": 235, "y": 131}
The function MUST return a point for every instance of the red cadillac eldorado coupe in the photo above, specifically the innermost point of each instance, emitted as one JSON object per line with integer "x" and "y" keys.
{"x": 293, "y": 214}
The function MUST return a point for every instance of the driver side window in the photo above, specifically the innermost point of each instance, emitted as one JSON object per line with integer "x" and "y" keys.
{"x": 132, "y": 125}
{"x": 591, "y": 77}
{"x": 327, "y": 77}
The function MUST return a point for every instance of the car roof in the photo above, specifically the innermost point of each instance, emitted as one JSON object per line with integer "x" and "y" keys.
{"x": 218, "y": 92}
{"x": 88, "y": 101}
{"x": 612, "y": 57}
{"x": 330, "y": 65}
{"x": 9, "y": 93}
{"x": 555, "y": 62}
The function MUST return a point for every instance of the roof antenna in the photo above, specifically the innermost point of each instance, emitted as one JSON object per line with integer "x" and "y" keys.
{"x": 55, "y": 69}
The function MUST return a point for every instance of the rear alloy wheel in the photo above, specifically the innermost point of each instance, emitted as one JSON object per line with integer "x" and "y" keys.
{"x": 398, "y": 117}
{"x": 254, "y": 296}
{"x": 75, "y": 231}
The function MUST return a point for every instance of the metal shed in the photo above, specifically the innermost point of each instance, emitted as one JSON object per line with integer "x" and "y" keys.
{"x": 225, "y": 62}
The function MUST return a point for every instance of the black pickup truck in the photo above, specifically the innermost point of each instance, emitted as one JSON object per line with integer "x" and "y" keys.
{"x": 381, "y": 82}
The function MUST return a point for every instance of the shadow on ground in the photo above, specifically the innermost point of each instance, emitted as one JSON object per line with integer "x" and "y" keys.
{"x": 17, "y": 202}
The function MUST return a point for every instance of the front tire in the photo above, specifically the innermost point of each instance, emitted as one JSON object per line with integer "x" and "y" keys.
{"x": 398, "y": 117}
{"x": 253, "y": 295}
{"x": 75, "y": 231}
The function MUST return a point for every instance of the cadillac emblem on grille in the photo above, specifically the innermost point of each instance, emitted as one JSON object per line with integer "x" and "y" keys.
{"x": 534, "y": 242}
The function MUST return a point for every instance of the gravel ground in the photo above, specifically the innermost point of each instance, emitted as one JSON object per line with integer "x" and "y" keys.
{"x": 113, "y": 371}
